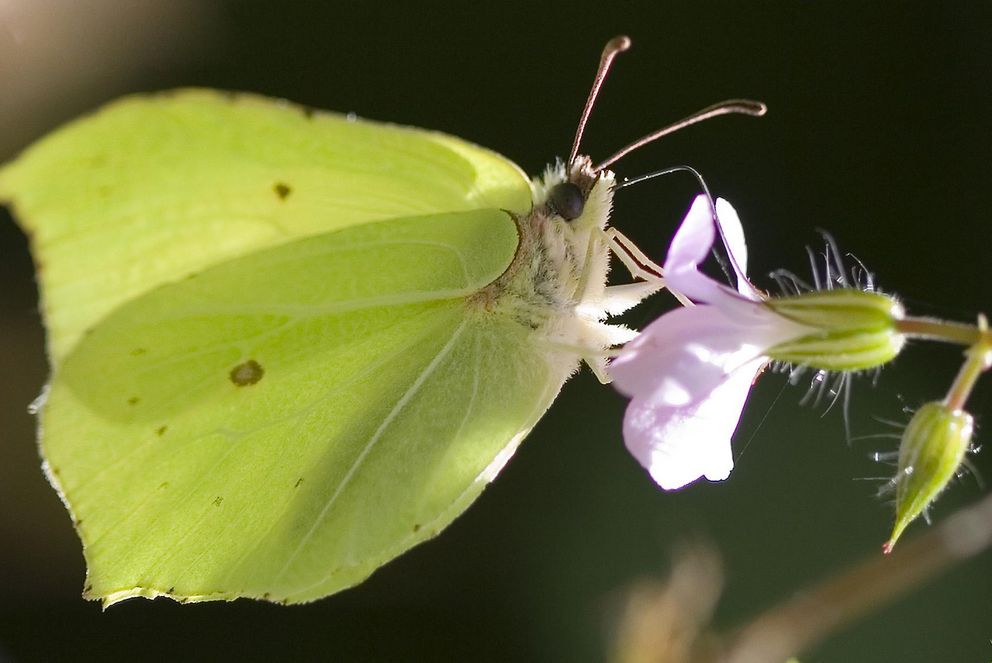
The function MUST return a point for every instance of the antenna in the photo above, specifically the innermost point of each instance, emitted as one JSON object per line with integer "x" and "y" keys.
{"x": 731, "y": 106}
{"x": 613, "y": 48}
{"x": 668, "y": 171}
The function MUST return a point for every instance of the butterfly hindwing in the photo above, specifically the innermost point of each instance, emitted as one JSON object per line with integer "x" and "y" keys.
{"x": 280, "y": 425}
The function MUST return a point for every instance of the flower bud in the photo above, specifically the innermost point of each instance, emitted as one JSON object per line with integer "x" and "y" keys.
{"x": 932, "y": 448}
{"x": 850, "y": 329}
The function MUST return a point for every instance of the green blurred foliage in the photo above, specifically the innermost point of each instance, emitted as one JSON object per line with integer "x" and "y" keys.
{"x": 877, "y": 133}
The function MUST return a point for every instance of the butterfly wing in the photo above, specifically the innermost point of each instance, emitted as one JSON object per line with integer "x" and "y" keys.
{"x": 153, "y": 188}
{"x": 280, "y": 425}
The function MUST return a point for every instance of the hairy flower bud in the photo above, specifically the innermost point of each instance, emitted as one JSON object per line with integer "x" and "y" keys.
{"x": 850, "y": 329}
{"x": 932, "y": 448}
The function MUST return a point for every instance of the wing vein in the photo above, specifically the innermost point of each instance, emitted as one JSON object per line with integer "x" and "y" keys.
{"x": 235, "y": 435}
{"x": 365, "y": 372}
{"x": 376, "y": 436}
{"x": 343, "y": 306}
{"x": 476, "y": 369}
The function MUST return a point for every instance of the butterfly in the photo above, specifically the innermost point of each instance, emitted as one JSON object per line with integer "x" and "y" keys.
{"x": 288, "y": 345}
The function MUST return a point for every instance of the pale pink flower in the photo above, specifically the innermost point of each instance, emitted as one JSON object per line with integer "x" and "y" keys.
{"x": 689, "y": 373}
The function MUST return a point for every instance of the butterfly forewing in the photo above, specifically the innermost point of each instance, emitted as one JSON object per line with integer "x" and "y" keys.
{"x": 153, "y": 188}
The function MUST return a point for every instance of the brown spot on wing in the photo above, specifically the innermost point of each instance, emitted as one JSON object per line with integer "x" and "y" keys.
{"x": 247, "y": 373}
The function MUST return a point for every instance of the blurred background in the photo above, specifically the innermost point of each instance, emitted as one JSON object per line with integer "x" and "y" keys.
{"x": 878, "y": 133}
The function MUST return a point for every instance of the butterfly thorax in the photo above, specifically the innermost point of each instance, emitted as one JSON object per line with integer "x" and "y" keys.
{"x": 555, "y": 286}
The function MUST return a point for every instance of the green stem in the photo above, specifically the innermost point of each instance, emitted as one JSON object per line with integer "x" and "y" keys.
{"x": 940, "y": 330}
{"x": 979, "y": 358}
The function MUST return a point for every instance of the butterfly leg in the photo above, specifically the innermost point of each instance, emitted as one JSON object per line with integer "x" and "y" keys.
{"x": 597, "y": 364}
{"x": 637, "y": 263}
{"x": 593, "y": 353}
{"x": 649, "y": 273}
{"x": 620, "y": 298}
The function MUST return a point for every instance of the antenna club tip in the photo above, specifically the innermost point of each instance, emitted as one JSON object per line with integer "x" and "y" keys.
{"x": 744, "y": 106}
{"x": 618, "y": 44}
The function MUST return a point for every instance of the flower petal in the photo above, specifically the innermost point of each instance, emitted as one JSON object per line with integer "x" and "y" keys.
{"x": 690, "y": 246}
{"x": 693, "y": 239}
{"x": 681, "y": 357}
{"x": 680, "y": 444}
{"x": 732, "y": 233}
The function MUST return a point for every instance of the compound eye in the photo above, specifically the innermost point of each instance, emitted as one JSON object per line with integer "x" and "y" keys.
{"x": 566, "y": 199}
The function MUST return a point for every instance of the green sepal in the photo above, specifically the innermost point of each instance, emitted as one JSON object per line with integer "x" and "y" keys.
{"x": 850, "y": 329}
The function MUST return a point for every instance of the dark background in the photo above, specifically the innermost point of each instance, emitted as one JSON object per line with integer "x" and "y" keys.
{"x": 878, "y": 132}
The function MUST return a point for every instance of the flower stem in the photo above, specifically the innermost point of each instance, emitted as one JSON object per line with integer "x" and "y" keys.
{"x": 941, "y": 330}
{"x": 979, "y": 359}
